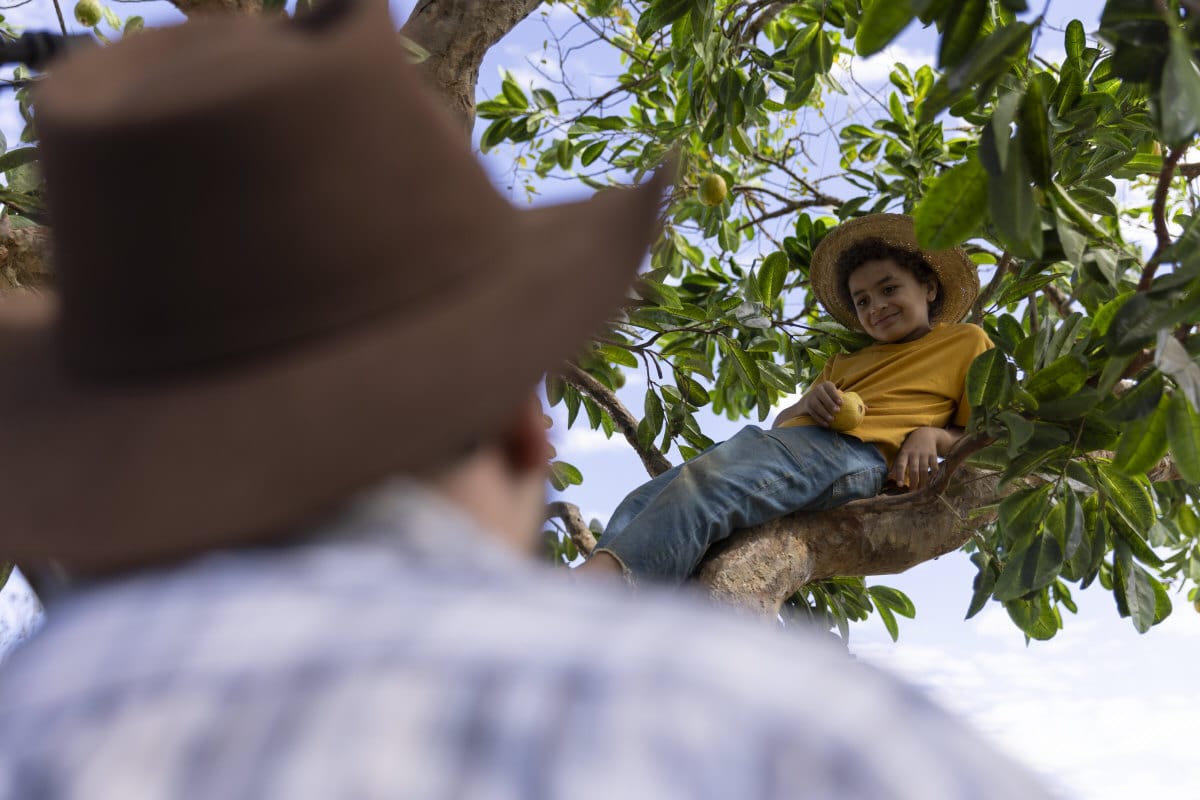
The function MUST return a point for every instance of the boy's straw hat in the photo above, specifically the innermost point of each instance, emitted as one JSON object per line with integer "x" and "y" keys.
{"x": 281, "y": 276}
{"x": 955, "y": 269}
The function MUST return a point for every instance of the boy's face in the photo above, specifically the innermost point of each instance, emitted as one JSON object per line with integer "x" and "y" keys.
{"x": 892, "y": 305}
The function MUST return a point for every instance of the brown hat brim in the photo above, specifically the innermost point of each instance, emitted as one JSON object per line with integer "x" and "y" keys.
{"x": 955, "y": 269}
{"x": 104, "y": 476}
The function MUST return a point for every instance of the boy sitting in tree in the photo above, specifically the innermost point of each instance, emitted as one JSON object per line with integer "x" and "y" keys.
{"x": 870, "y": 275}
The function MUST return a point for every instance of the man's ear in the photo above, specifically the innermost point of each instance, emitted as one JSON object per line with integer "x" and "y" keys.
{"x": 525, "y": 444}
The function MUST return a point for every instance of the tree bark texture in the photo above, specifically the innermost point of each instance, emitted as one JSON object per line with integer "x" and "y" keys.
{"x": 24, "y": 257}
{"x": 457, "y": 35}
{"x": 759, "y": 568}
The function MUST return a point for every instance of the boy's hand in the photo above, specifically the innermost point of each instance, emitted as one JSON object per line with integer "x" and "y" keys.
{"x": 821, "y": 402}
{"x": 917, "y": 460}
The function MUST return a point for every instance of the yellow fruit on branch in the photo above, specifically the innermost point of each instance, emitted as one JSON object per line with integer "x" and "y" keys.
{"x": 713, "y": 190}
{"x": 851, "y": 414}
{"x": 88, "y": 13}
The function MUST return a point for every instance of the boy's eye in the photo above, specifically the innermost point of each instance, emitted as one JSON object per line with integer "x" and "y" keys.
{"x": 888, "y": 289}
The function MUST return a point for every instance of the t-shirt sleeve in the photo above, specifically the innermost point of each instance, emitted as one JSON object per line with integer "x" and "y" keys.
{"x": 974, "y": 342}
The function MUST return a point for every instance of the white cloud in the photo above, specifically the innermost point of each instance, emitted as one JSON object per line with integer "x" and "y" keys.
{"x": 873, "y": 72}
{"x": 584, "y": 440}
{"x": 1098, "y": 712}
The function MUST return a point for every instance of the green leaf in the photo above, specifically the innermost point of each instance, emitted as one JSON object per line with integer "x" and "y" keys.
{"x": 743, "y": 363}
{"x": 1133, "y": 326}
{"x": 985, "y": 581}
{"x": 1075, "y": 40}
{"x": 1033, "y": 134}
{"x": 889, "y": 620}
{"x": 771, "y": 276}
{"x": 6, "y": 568}
{"x": 1128, "y": 496}
{"x": 994, "y": 55}
{"x": 617, "y": 355}
{"x": 962, "y": 29}
{"x": 1022, "y": 512}
{"x": 1180, "y": 97}
{"x": 988, "y": 380}
{"x": 1061, "y": 378}
{"x": 894, "y": 599}
{"x": 563, "y": 475}
{"x": 659, "y": 14}
{"x": 555, "y": 388}
{"x": 1015, "y": 211}
{"x": 1183, "y": 432}
{"x": 1139, "y": 401}
{"x": 592, "y": 152}
{"x": 1134, "y": 585}
{"x": 18, "y": 158}
{"x": 1030, "y": 569}
{"x": 881, "y": 22}
{"x": 1144, "y": 442}
{"x": 954, "y": 206}
{"x": 513, "y": 93}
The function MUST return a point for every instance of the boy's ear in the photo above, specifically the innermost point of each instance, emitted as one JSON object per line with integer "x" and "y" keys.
{"x": 525, "y": 442}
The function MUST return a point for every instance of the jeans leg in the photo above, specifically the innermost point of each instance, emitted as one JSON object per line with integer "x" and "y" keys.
{"x": 664, "y": 528}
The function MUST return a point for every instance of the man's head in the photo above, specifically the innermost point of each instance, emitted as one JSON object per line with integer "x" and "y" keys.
{"x": 893, "y": 291}
{"x": 318, "y": 291}
{"x": 947, "y": 277}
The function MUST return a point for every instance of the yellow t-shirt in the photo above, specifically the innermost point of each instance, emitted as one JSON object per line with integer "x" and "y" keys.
{"x": 907, "y": 385}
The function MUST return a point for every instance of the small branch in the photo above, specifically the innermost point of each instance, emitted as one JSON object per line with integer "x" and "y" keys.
{"x": 985, "y": 297}
{"x": 1159, "y": 212}
{"x": 652, "y": 458}
{"x": 62, "y": 23}
{"x": 1061, "y": 304}
{"x": 753, "y": 27}
{"x": 577, "y": 529}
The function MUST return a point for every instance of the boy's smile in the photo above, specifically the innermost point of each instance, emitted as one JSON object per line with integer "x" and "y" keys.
{"x": 892, "y": 305}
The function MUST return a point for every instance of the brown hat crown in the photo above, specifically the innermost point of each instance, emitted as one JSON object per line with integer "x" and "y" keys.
{"x": 282, "y": 276}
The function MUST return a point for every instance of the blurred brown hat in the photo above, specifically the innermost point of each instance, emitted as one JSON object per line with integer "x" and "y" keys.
{"x": 281, "y": 275}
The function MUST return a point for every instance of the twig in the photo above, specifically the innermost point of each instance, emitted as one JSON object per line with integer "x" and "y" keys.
{"x": 577, "y": 529}
{"x": 985, "y": 297}
{"x": 62, "y": 23}
{"x": 652, "y": 458}
{"x": 1159, "y": 211}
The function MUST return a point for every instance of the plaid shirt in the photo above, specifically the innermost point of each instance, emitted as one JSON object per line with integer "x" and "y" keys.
{"x": 400, "y": 654}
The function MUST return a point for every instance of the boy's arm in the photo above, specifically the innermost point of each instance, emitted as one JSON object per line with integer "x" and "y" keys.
{"x": 821, "y": 402}
{"x": 917, "y": 460}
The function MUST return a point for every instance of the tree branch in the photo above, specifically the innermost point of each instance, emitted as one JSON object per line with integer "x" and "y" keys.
{"x": 652, "y": 458}
{"x": 457, "y": 35}
{"x": 577, "y": 529}
{"x": 761, "y": 567}
{"x": 1159, "y": 212}
{"x": 24, "y": 257}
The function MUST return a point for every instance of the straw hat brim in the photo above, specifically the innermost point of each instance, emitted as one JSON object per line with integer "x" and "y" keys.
{"x": 956, "y": 271}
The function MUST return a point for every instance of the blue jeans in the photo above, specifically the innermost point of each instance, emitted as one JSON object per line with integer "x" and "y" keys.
{"x": 663, "y": 528}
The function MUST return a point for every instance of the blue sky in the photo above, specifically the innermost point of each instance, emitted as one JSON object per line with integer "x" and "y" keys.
{"x": 1100, "y": 711}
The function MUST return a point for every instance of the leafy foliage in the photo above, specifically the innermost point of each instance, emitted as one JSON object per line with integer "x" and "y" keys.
{"x": 1095, "y": 444}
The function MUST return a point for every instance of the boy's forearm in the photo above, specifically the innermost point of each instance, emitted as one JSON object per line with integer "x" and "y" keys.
{"x": 791, "y": 412}
{"x": 950, "y": 436}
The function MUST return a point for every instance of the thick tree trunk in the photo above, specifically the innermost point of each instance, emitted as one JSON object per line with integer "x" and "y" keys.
{"x": 457, "y": 34}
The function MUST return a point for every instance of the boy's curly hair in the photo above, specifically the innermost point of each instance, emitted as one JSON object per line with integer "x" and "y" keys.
{"x": 873, "y": 249}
